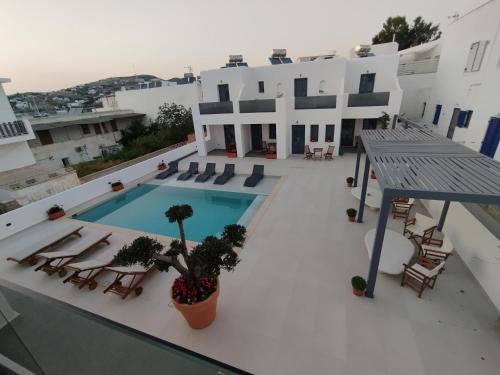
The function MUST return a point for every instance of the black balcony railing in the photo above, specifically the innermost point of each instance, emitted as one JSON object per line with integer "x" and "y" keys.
{"x": 316, "y": 102}
{"x": 215, "y": 108}
{"x": 12, "y": 129}
{"x": 371, "y": 99}
{"x": 259, "y": 105}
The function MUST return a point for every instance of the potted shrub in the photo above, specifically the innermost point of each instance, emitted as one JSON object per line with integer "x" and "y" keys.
{"x": 351, "y": 214}
{"x": 162, "y": 166}
{"x": 358, "y": 286}
{"x": 117, "y": 186}
{"x": 231, "y": 153}
{"x": 195, "y": 291}
{"x": 349, "y": 181}
{"x": 270, "y": 154}
{"x": 55, "y": 212}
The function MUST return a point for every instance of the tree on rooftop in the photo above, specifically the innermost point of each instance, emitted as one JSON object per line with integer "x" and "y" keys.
{"x": 405, "y": 35}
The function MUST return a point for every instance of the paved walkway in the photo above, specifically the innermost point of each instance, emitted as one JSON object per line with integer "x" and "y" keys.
{"x": 288, "y": 307}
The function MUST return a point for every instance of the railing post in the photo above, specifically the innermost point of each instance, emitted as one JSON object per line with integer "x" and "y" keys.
{"x": 442, "y": 218}
{"x": 358, "y": 159}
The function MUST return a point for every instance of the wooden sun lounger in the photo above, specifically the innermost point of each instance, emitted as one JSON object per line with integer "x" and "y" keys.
{"x": 85, "y": 272}
{"x": 70, "y": 252}
{"x": 137, "y": 274}
{"x": 28, "y": 254}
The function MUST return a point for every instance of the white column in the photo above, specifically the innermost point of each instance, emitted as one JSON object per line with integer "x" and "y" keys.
{"x": 282, "y": 126}
{"x": 198, "y": 130}
{"x": 238, "y": 136}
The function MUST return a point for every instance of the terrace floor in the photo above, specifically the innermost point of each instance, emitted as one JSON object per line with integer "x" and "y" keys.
{"x": 288, "y": 307}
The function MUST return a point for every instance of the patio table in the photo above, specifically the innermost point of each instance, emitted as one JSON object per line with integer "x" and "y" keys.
{"x": 396, "y": 250}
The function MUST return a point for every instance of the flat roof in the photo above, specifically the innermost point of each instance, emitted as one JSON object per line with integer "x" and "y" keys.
{"x": 420, "y": 163}
{"x": 82, "y": 118}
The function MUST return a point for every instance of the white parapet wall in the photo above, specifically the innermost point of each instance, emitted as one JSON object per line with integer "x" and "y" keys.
{"x": 34, "y": 213}
{"x": 477, "y": 247}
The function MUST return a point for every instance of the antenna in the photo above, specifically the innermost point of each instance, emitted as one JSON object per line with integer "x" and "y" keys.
{"x": 189, "y": 68}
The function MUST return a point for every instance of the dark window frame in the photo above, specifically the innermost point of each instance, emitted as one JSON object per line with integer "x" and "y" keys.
{"x": 45, "y": 137}
{"x": 437, "y": 114}
{"x": 327, "y": 127}
{"x": 85, "y": 128}
{"x": 300, "y": 87}
{"x": 367, "y": 86}
{"x": 314, "y": 135}
{"x": 223, "y": 93}
{"x": 272, "y": 131}
{"x": 261, "y": 86}
{"x": 97, "y": 129}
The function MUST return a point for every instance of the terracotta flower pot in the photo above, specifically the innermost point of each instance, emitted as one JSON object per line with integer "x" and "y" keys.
{"x": 162, "y": 166}
{"x": 270, "y": 156}
{"x": 202, "y": 314}
{"x": 349, "y": 184}
{"x": 56, "y": 215}
{"x": 351, "y": 218}
{"x": 372, "y": 175}
{"x": 232, "y": 154}
{"x": 117, "y": 187}
{"x": 359, "y": 293}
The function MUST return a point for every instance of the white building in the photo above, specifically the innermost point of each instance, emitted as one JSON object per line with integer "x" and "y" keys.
{"x": 455, "y": 85}
{"x": 71, "y": 139}
{"x": 289, "y": 105}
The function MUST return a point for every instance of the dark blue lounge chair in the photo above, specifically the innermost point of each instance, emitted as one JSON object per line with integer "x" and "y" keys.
{"x": 193, "y": 169}
{"x": 209, "y": 172}
{"x": 257, "y": 175}
{"x": 226, "y": 175}
{"x": 173, "y": 167}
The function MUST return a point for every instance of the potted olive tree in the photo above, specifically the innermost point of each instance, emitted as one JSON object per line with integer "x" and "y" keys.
{"x": 55, "y": 212}
{"x": 195, "y": 291}
{"x": 351, "y": 214}
{"x": 358, "y": 286}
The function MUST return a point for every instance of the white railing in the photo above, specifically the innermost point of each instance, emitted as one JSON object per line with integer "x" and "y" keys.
{"x": 34, "y": 213}
{"x": 418, "y": 67}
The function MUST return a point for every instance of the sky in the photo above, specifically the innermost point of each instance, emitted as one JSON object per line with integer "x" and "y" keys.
{"x": 53, "y": 44}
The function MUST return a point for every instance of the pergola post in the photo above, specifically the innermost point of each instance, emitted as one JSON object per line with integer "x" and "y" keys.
{"x": 358, "y": 159}
{"x": 442, "y": 218}
{"x": 363, "y": 189}
{"x": 383, "y": 216}
{"x": 394, "y": 121}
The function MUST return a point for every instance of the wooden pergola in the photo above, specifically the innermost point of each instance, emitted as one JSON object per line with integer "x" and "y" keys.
{"x": 421, "y": 164}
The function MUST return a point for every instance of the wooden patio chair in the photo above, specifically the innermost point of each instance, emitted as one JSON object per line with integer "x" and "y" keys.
{"x": 134, "y": 273}
{"x": 329, "y": 153}
{"x": 420, "y": 226}
{"x": 307, "y": 152}
{"x": 401, "y": 209}
{"x": 439, "y": 252}
{"x": 421, "y": 275}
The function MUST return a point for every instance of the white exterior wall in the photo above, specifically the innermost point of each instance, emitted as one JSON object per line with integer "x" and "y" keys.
{"x": 148, "y": 101}
{"x": 417, "y": 89}
{"x": 34, "y": 213}
{"x": 477, "y": 91}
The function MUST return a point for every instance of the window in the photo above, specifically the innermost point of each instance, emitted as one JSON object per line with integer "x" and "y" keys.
{"x": 97, "y": 129}
{"x": 224, "y": 93}
{"x": 475, "y": 57}
{"x": 85, "y": 129}
{"x": 114, "y": 127}
{"x": 272, "y": 131}
{"x": 205, "y": 131}
{"x": 300, "y": 87}
{"x": 329, "y": 131}
{"x": 104, "y": 127}
{"x": 366, "y": 83}
{"x": 464, "y": 119}
{"x": 423, "y": 110}
{"x": 437, "y": 113}
{"x": 45, "y": 137}
{"x": 469, "y": 115}
{"x": 314, "y": 133}
{"x": 261, "y": 86}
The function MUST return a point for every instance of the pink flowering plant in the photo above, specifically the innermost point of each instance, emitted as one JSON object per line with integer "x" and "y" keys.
{"x": 199, "y": 268}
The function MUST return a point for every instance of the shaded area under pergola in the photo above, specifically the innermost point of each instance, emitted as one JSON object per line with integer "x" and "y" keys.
{"x": 421, "y": 164}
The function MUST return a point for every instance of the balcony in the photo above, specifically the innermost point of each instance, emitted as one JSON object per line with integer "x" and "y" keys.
{"x": 12, "y": 129}
{"x": 371, "y": 99}
{"x": 259, "y": 105}
{"x": 316, "y": 102}
{"x": 418, "y": 67}
{"x": 215, "y": 108}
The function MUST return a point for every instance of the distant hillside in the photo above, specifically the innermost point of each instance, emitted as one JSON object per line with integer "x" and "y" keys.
{"x": 85, "y": 95}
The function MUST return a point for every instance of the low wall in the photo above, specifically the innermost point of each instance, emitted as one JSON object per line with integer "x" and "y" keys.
{"x": 478, "y": 248}
{"x": 34, "y": 213}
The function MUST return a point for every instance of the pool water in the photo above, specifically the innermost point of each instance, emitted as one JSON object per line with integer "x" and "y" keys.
{"x": 143, "y": 208}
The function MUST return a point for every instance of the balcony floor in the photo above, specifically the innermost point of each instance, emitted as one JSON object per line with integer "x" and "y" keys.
{"x": 288, "y": 307}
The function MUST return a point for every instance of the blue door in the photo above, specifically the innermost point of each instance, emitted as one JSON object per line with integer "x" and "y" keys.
{"x": 491, "y": 138}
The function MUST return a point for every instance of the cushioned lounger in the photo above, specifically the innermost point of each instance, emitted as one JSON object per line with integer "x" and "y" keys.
{"x": 209, "y": 172}
{"x": 193, "y": 169}
{"x": 70, "y": 251}
{"x": 257, "y": 175}
{"x": 28, "y": 253}
{"x": 173, "y": 167}
{"x": 226, "y": 175}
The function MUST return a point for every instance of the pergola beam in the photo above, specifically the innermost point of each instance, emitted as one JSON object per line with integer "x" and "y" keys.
{"x": 442, "y": 218}
{"x": 358, "y": 159}
{"x": 363, "y": 190}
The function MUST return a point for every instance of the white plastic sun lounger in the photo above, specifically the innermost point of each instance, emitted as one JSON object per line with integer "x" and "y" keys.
{"x": 85, "y": 272}
{"x": 28, "y": 253}
{"x": 70, "y": 251}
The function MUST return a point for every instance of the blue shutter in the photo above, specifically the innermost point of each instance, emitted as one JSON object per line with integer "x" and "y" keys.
{"x": 462, "y": 119}
{"x": 436, "y": 114}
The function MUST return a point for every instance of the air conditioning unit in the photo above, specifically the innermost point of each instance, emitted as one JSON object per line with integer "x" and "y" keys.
{"x": 362, "y": 50}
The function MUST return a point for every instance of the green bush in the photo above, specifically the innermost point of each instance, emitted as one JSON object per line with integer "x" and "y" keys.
{"x": 358, "y": 283}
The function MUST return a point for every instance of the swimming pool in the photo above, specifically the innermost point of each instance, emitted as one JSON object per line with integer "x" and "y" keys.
{"x": 143, "y": 208}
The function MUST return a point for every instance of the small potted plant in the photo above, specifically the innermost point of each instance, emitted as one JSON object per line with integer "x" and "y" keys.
{"x": 231, "y": 153}
{"x": 195, "y": 291}
{"x": 162, "y": 166}
{"x": 349, "y": 181}
{"x": 55, "y": 212}
{"x": 351, "y": 214}
{"x": 117, "y": 186}
{"x": 372, "y": 174}
{"x": 358, "y": 286}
